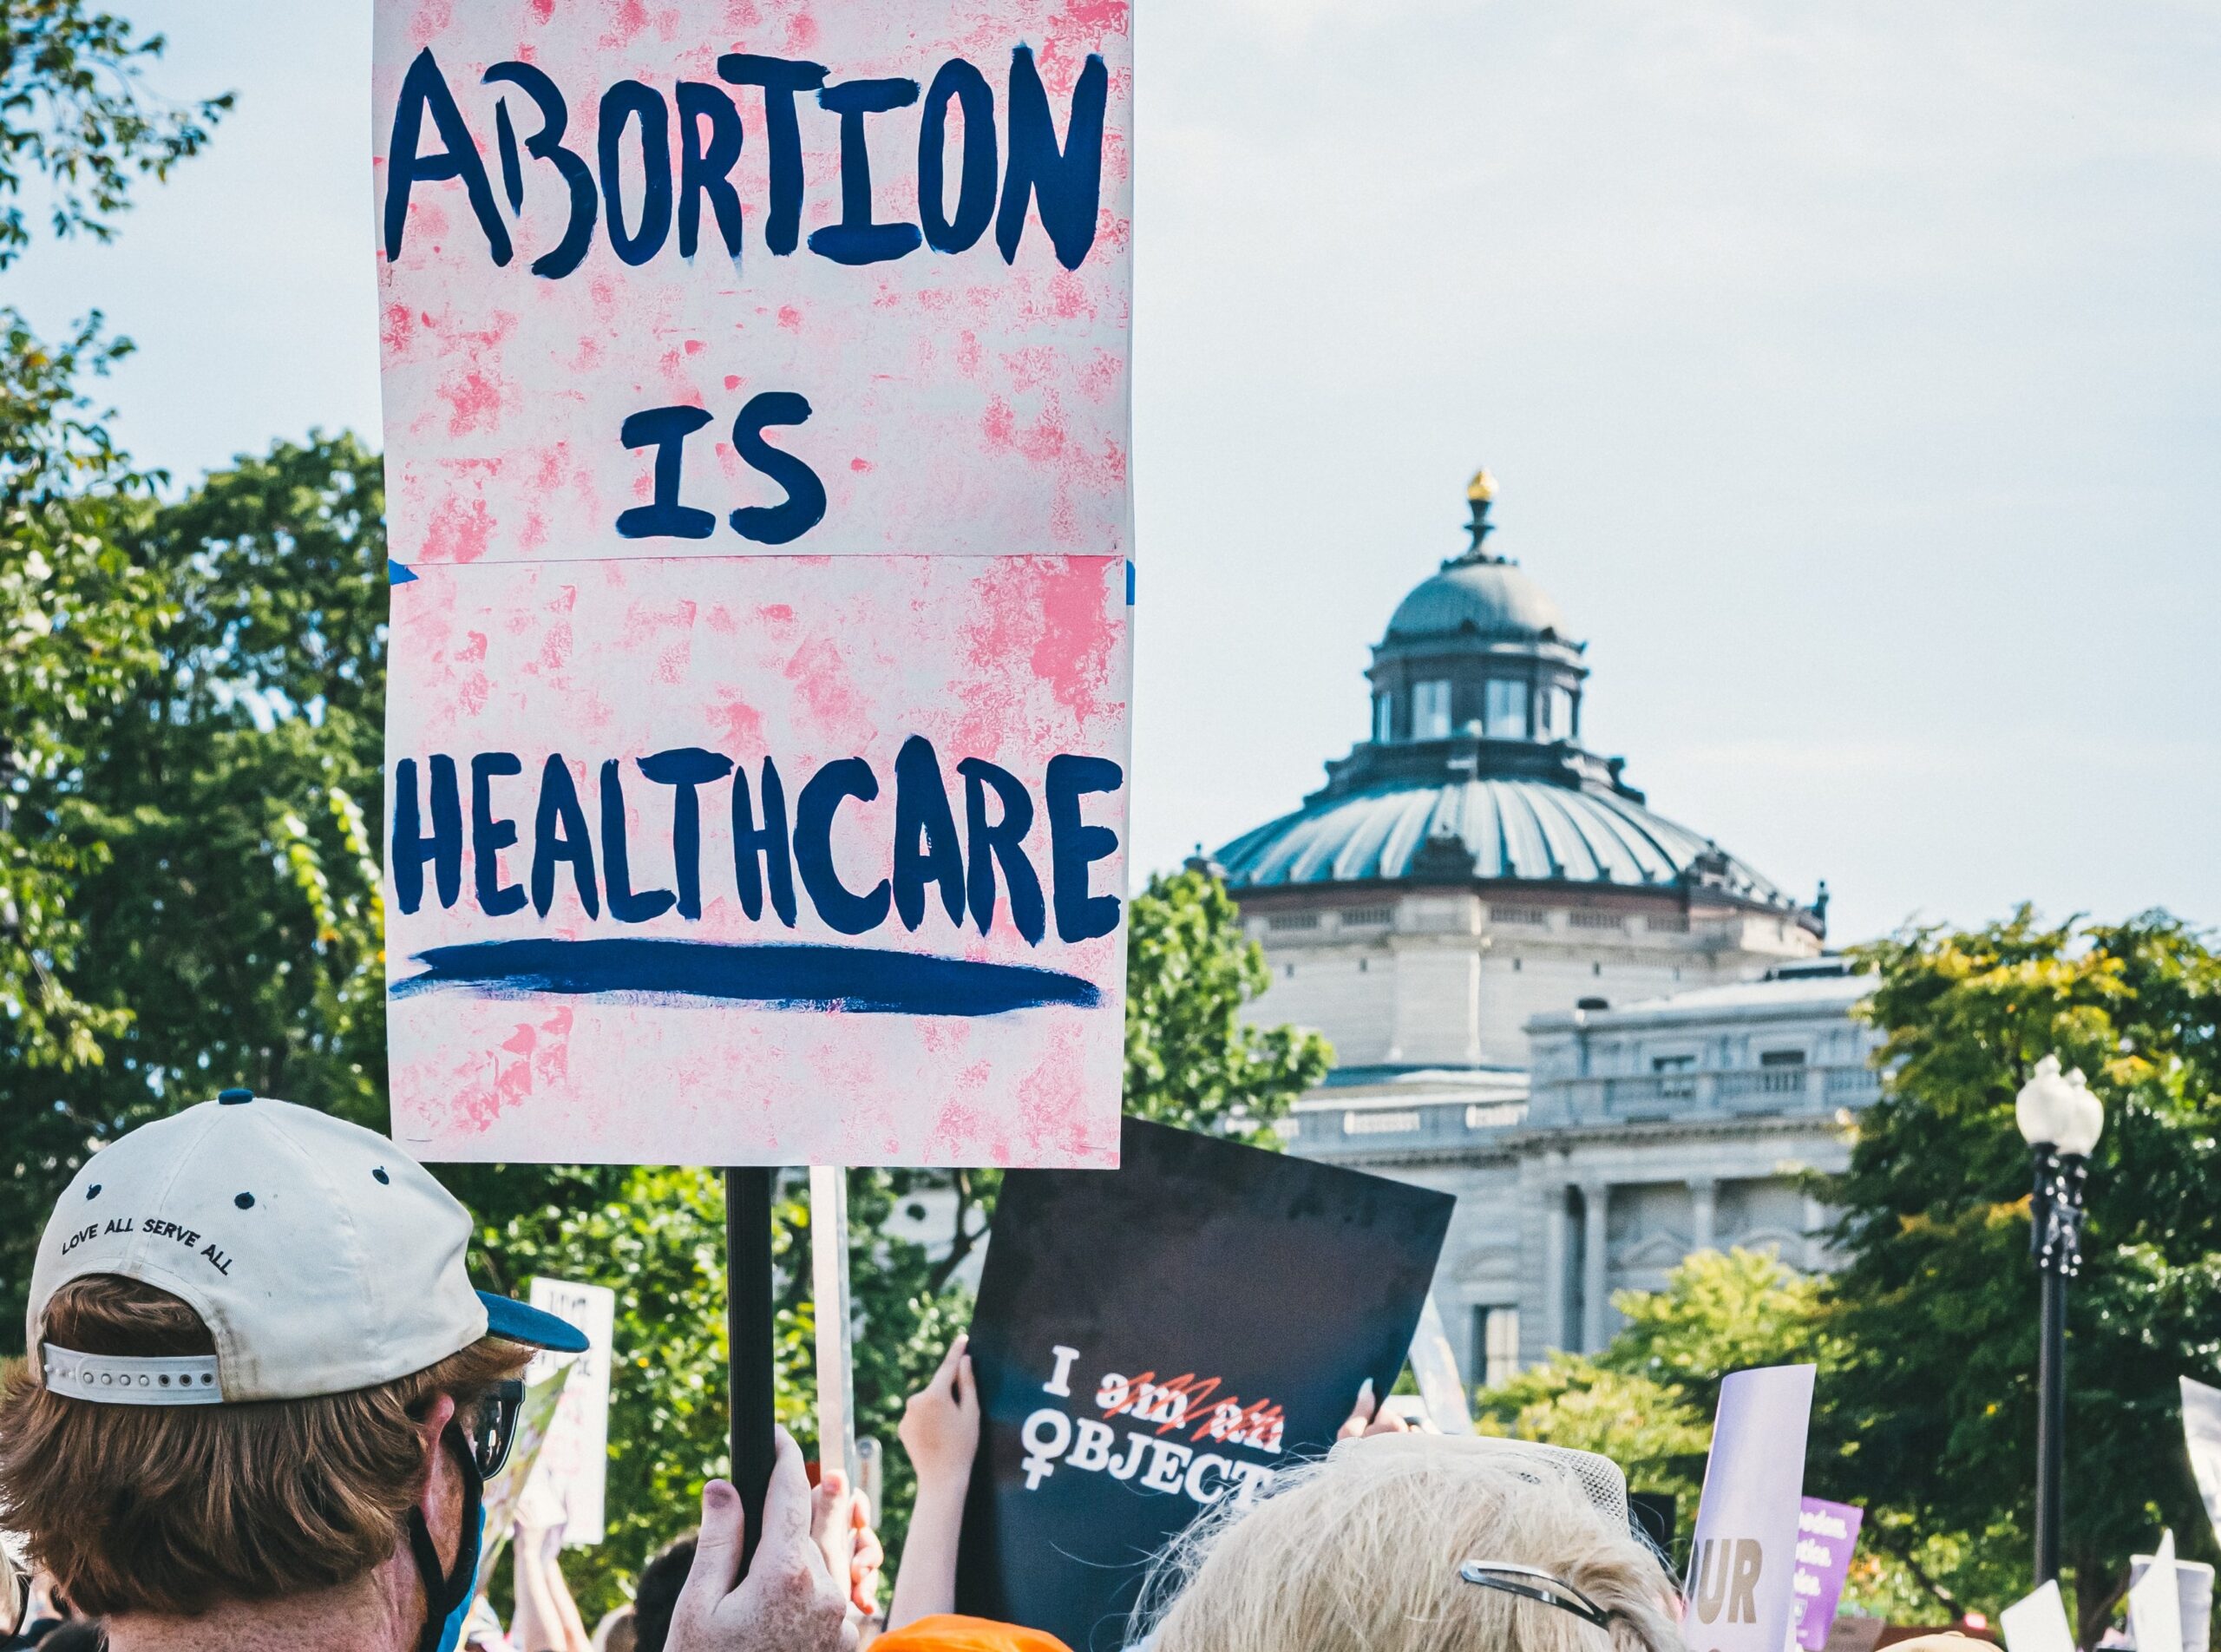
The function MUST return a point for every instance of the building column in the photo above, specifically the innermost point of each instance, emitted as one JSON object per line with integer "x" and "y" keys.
{"x": 1593, "y": 1260}
{"x": 1816, "y": 1243}
{"x": 1552, "y": 1317}
{"x": 1703, "y": 1211}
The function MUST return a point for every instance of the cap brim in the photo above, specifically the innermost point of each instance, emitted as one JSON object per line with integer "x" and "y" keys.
{"x": 535, "y": 1328}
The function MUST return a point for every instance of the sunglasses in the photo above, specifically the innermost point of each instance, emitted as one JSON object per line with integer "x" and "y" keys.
{"x": 491, "y": 1426}
{"x": 1530, "y": 1584}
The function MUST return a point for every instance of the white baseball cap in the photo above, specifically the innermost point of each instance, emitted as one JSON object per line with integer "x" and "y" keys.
{"x": 321, "y": 1258}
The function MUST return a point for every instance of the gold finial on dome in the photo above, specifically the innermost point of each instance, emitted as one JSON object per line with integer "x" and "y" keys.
{"x": 1479, "y": 493}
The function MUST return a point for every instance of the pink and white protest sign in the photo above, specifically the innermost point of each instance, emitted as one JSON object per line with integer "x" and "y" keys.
{"x": 859, "y": 271}
{"x": 755, "y": 382}
{"x": 1741, "y": 1582}
{"x": 2037, "y": 1622}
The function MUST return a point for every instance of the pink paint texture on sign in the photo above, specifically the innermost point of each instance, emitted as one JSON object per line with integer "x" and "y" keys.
{"x": 756, "y": 406}
{"x": 958, "y": 402}
{"x": 796, "y": 1014}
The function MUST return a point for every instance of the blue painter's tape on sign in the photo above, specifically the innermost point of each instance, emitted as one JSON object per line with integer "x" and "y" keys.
{"x": 777, "y": 975}
{"x": 396, "y": 574}
{"x": 1129, "y": 582}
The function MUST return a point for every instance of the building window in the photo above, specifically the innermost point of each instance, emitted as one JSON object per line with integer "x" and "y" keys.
{"x": 1504, "y": 710}
{"x": 1284, "y": 920}
{"x": 1431, "y": 711}
{"x": 1676, "y": 1076}
{"x": 1402, "y": 1122}
{"x": 1495, "y": 1115}
{"x": 1565, "y": 720}
{"x": 1496, "y": 1345}
{"x": 1781, "y": 1058}
{"x": 1384, "y": 718}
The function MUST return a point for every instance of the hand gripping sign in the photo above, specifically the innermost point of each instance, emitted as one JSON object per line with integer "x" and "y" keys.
{"x": 757, "y": 413}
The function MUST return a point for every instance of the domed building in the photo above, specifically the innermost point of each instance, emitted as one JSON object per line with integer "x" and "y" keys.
{"x": 1468, "y": 905}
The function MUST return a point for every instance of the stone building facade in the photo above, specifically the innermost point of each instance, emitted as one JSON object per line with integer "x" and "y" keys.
{"x": 1615, "y": 1040}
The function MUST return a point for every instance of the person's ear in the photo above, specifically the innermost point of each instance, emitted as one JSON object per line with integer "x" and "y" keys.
{"x": 431, "y": 1428}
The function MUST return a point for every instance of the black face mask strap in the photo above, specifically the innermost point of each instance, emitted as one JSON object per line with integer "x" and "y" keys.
{"x": 444, "y": 1591}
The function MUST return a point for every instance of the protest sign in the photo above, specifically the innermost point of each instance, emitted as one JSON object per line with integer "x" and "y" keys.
{"x": 575, "y": 1462}
{"x": 1827, "y": 1533}
{"x": 2155, "y": 1616}
{"x": 1434, "y": 1364}
{"x": 544, "y": 1380}
{"x": 1152, "y": 1342}
{"x": 830, "y": 1308}
{"x": 756, "y": 421}
{"x": 2193, "y": 1598}
{"x": 2202, "y": 1434}
{"x": 2037, "y": 1622}
{"x": 1742, "y": 1566}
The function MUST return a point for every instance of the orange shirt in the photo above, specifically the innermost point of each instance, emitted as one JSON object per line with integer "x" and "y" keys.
{"x": 954, "y": 1634}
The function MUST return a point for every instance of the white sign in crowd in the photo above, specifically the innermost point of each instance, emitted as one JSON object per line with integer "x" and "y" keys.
{"x": 1743, "y": 1557}
{"x": 573, "y": 1465}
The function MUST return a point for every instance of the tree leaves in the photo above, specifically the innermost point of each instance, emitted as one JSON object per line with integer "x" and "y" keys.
{"x": 74, "y": 106}
{"x": 1931, "y": 1412}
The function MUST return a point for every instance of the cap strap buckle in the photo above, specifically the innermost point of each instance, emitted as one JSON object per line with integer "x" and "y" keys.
{"x": 119, "y": 1380}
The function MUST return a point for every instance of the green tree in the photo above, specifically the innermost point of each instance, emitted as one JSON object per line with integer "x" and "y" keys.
{"x": 1653, "y": 1430}
{"x": 1721, "y": 1311}
{"x": 1933, "y": 1413}
{"x": 75, "y": 107}
{"x": 76, "y": 613}
{"x": 220, "y": 820}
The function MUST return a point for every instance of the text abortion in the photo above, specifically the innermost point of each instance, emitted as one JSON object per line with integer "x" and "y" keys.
{"x": 1150, "y": 1456}
{"x": 997, "y": 178}
{"x": 1063, "y": 180}
{"x": 773, "y": 855}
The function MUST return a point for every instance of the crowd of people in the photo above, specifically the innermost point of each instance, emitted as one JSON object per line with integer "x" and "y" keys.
{"x": 262, "y": 1403}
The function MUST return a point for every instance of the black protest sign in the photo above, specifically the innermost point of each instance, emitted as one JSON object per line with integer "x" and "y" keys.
{"x": 1155, "y": 1339}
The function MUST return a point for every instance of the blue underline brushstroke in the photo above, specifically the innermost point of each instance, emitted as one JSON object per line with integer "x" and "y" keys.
{"x": 777, "y": 975}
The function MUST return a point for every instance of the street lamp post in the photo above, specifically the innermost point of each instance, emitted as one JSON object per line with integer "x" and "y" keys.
{"x": 2060, "y": 1119}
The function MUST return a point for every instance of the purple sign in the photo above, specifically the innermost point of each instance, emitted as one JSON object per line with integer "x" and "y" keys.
{"x": 1826, "y": 1533}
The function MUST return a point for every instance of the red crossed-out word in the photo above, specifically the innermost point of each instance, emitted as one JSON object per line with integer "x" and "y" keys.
{"x": 1170, "y": 1403}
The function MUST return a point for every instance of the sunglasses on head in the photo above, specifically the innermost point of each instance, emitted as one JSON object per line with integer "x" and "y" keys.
{"x": 1530, "y": 1584}
{"x": 490, "y": 1425}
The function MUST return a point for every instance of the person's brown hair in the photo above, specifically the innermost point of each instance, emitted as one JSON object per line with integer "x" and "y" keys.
{"x": 168, "y": 1509}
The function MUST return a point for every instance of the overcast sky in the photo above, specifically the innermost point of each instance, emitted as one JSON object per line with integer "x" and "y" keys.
{"x": 1852, "y": 377}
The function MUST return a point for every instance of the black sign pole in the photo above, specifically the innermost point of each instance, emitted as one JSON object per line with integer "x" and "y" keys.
{"x": 749, "y": 1311}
